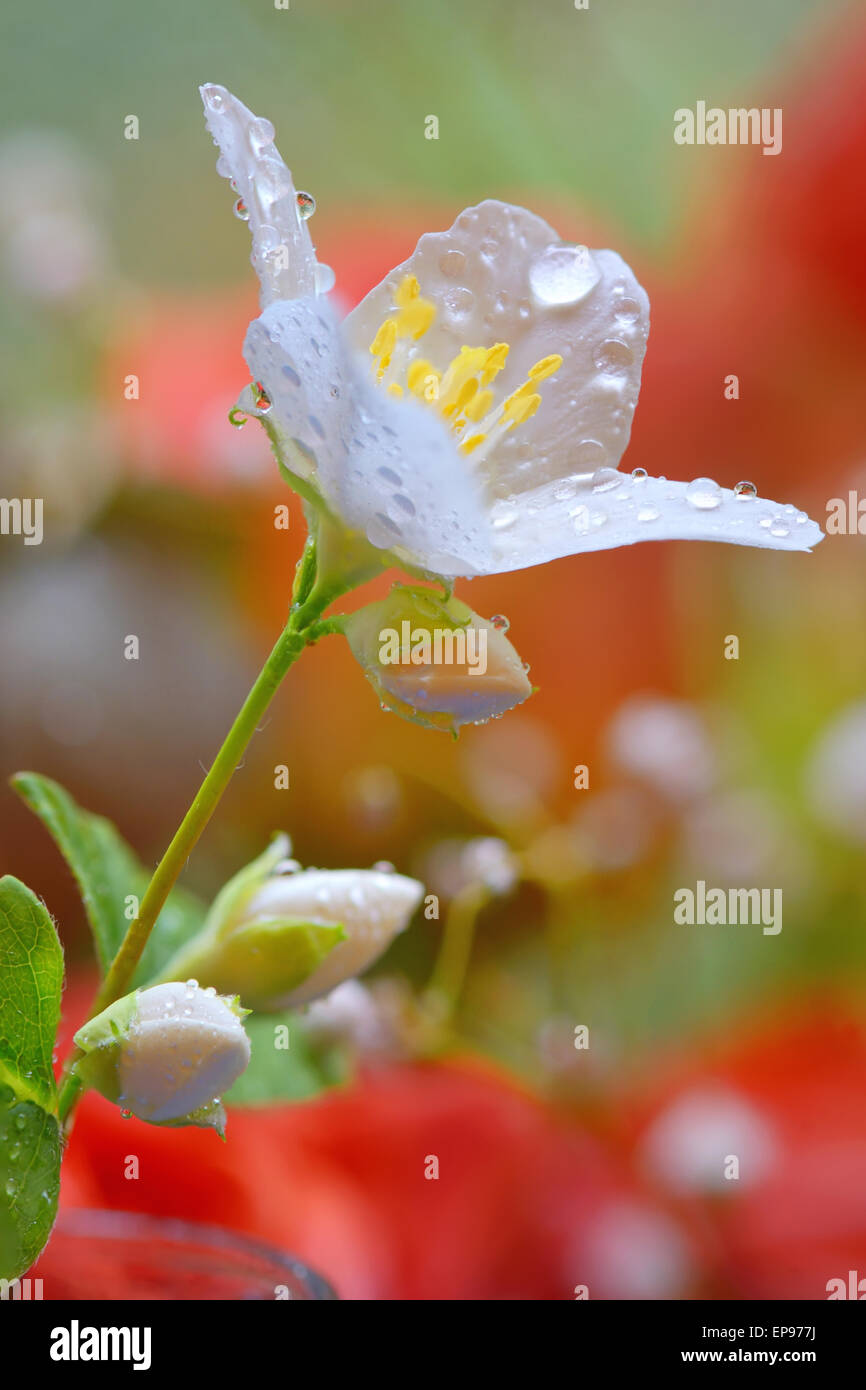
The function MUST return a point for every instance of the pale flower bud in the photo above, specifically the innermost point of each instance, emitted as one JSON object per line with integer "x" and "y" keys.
{"x": 434, "y": 661}
{"x": 370, "y": 905}
{"x": 166, "y": 1054}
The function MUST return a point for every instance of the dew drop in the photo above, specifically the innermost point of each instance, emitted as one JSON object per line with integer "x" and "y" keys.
{"x": 745, "y": 490}
{"x": 459, "y": 302}
{"x": 261, "y": 397}
{"x": 613, "y": 355}
{"x": 563, "y": 274}
{"x": 241, "y": 210}
{"x": 384, "y": 866}
{"x": 451, "y": 263}
{"x": 325, "y": 278}
{"x": 261, "y": 133}
{"x": 11, "y": 1187}
{"x": 704, "y": 494}
{"x": 648, "y": 514}
{"x": 639, "y": 474}
{"x": 500, "y": 622}
{"x": 628, "y": 310}
{"x": 306, "y": 205}
{"x": 603, "y": 479}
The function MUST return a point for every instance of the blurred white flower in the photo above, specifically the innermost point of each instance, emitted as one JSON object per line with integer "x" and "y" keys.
{"x": 687, "y": 1145}
{"x": 835, "y": 776}
{"x": 634, "y": 1252}
{"x": 52, "y": 246}
{"x": 664, "y": 742}
{"x": 469, "y": 415}
{"x": 615, "y": 828}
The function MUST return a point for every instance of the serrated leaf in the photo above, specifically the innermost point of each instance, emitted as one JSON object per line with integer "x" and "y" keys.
{"x": 108, "y": 872}
{"x": 31, "y": 980}
{"x": 278, "y": 1073}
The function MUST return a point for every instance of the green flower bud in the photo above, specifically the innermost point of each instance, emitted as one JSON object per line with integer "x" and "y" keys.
{"x": 166, "y": 1054}
{"x": 258, "y": 948}
{"x": 434, "y": 661}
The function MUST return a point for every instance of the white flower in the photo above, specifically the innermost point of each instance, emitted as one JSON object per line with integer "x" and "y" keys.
{"x": 166, "y": 1054}
{"x": 469, "y": 415}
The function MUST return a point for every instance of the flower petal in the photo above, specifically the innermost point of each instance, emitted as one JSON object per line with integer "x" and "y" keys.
{"x": 283, "y": 254}
{"x": 615, "y": 509}
{"x": 501, "y": 274}
{"x": 386, "y": 468}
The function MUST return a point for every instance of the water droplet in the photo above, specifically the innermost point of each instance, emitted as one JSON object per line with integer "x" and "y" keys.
{"x": 704, "y": 494}
{"x": 500, "y": 622}
{"x": 306, "y": 205}
{"x": 779, "y": 527}
{"x": 215, "y": 99}
{"x": 261, "y": 397}
{"x": 639, "y": 474}
{"x": 613, "y": 355}
{"x": 628, "y": 310}
{"x": 745, "y": 490}
{"x": 451, "y": 263}
{"x": 527, "y": 668}
{"x": 459, "y": 302}
{"x": 20, "y": 1122}
{"x": 11, "y": 1187}
{"x": 126, "y": 1114}
{"x": 241, "y": 210}
{"x": 325, "y": 278}
{"x": 603, "y": 479}
{"x": 223, "y": 168}
{"x": 14, "y": 1153}
{"x": 563, "y": 275}
{"x": 191, "y": 986}
{"x": 384, "y": 866}
{"x": 261, "y": 133}
{"x": 648, "y": 514}
{"x": 237, "y": 417}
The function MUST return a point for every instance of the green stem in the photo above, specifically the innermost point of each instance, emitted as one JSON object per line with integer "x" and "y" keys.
{"x": 288, "y": 648}
{"x": 458, "y": 936}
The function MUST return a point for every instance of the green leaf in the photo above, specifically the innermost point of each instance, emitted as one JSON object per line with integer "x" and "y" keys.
{"x": 279, "y": 1073}
{"x": 108, "y": 873}
{"x": 31, "y": 980}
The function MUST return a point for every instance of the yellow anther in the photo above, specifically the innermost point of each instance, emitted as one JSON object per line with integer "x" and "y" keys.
{"x": 518, "y": 409}
{"x": 419, "y": 375}
{"x": 546, "y": 367}
{"x": 386, "y": 336}
{"x": 407, "y": 290}
{"x": 395, "y": 389}
{"x": 414, "y": 320}
{"x": 469, "y": 445}
{"x": 494, "y": 362}
{"x": 479, "y": 405}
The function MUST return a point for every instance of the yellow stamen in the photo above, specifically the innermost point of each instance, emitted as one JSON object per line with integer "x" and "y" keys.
{"x": 546, "y": 367}
{"x": 460, "y": 393}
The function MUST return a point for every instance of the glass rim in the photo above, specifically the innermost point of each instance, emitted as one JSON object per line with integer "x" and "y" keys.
{"x": 108, "y": 1224}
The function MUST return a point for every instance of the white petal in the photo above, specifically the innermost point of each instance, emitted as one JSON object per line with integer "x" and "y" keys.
{"x": 387, "y": 468}
{"x": 615, "y": 509}
{"x": 501, "y": 274}
{"x": 283, "y": 253}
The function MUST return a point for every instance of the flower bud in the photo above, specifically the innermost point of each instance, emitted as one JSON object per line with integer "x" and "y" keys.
{"x": 257, "y": 948}
{"x": 166, "y": 1054}
{"x": 368, "y": 907}
{"x": 434, "y": 661}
